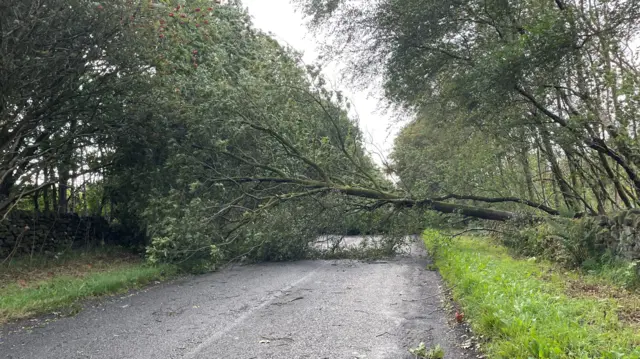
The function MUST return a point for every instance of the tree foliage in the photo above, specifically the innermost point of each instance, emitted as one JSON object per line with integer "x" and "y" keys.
{"x": 180, "y": 118}
{"x": 183, "y": 120}
{"x": 528, "y": 99}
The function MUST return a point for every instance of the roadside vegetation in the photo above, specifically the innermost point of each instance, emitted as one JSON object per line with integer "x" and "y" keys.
{"x": 182, "y": 123}
{"x": 528, "y": 308}
{"x": 182, "y": 120}
{"x": 55, "y": 283}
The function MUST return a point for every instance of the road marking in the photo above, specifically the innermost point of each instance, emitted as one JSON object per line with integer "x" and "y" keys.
{"x": 217, "y": 335}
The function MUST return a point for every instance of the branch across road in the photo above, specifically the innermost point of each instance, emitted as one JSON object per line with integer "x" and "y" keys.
{"x": 307, "y": 309}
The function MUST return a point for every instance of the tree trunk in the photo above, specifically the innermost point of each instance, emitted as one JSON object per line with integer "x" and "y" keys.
{"x": 54, "y": 198}
{"x": 65, "y": 166}
{"x": 62, "y": 195}
{"x": 5, "y": 187}
{"x": 36, "y": 195}
{"x": 616, "y": 182}
{"x": 565, "y": 189}
{"x": 45, "y": 191}
{"x": 528, "y": 176}
{"x": 475, "y": 212}
{"x": 540, "y": 175}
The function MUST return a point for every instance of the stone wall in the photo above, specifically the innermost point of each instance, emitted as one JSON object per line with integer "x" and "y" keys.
{"x": 621, "y": 234}
{"x": 27, "y": 232}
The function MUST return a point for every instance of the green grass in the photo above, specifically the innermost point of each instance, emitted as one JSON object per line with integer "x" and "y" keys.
{"x": 620, "y": 273}
{"x": 527, "y": 309}
{"x": 29, "y": 288}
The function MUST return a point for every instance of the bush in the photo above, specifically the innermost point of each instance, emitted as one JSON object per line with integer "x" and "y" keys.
{"x": 569, "y": 242}
{"x": 182, "y": 234}
{"x": 576, "y": 244}
{"x": 183, "y": 230}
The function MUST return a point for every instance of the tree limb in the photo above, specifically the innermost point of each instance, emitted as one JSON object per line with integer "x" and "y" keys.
{"x": 439, "y": 206}
{"x": 542, "y": 207}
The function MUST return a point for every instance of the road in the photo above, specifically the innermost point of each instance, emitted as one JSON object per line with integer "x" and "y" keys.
{"x": 308, "y": 309}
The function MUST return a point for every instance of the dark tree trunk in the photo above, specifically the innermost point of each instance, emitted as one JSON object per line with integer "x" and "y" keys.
{"x": 54, "y": 198}
{"x": 565, "y": 188}
{"x": 45, "y": 191}
{"x": 616, "y": 182}
{"x": 528, "y": 176}
{"x": 62, "y": 196}
{"x": 5, "y": 187}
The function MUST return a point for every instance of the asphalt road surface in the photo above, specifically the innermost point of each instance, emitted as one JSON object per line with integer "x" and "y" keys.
{"x": 308, "y": 309}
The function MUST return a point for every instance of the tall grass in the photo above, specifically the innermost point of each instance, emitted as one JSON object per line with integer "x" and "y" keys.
{"x": 522, "y": 307}
{"x": 31, "y": 288}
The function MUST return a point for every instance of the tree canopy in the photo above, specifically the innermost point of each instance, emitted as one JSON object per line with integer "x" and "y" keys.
{"x": 182, "y": 119}
{"x": 529, "y": 99}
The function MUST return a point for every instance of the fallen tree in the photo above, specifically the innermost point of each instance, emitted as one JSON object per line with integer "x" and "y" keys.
{"x": 382, "y": 198}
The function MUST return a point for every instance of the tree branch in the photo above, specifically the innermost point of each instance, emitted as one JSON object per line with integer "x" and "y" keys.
{"x": 295, "y": 152}
{"x": 478, "y": 230}
{"x": 542, "y": 207}
{"x": 439, "y": 206}
{"x": 4, "y": 205}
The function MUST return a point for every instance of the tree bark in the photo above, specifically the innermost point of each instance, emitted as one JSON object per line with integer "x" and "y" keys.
{"x": 565, "y": 189}
{"x": 469, "y": 211}
{"x": 45, "y": 191}
{"x": 616, "y": 182}
{"x": 528, "y": 176}
{"x": 384, "y": 198}
{"x": 62, "y": 196}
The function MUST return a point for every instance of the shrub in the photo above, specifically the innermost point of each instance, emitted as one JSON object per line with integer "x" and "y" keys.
{"x": 181, "y": 234}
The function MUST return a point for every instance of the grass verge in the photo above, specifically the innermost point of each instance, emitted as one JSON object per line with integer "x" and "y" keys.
{"x": 34, "y": 286}
{"x": 527, "y": 309}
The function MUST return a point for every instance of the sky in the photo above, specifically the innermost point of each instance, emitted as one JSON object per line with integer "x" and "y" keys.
{"x": 280, "y": 18}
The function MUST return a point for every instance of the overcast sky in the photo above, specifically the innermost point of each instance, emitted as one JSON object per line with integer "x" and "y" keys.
{"x": 279, "y": 18}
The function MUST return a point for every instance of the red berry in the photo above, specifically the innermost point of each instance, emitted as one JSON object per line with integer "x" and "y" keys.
{"x": 162, "y": 21}
{"x": 206, "y": 21}
{"x": 183, "y": 15}
{"x": 178, "y": 8}
{"x": 197, "y": 25}
{"x": 210, "y": 9}
{"x": 198, "y": 10}
{"x": 171, "y": 14}
{"x": 100, "y": 7}
{"x": 194, "y": 52}
{"x": 162, "y": 36}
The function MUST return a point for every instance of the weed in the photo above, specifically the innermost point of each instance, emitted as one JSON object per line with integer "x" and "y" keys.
{"x": 523, "y": 309}
{"x": 582, "y": 244}
{"x": 423, "y": 353}
{"x": 431, "y": 267}
{"x": 74, "y": 263}
{"x": 29, "y": 288}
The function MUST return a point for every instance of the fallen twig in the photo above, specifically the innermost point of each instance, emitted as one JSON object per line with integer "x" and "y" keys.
{"x": 274, "y": 339}
{"x": 287, "y": 302}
